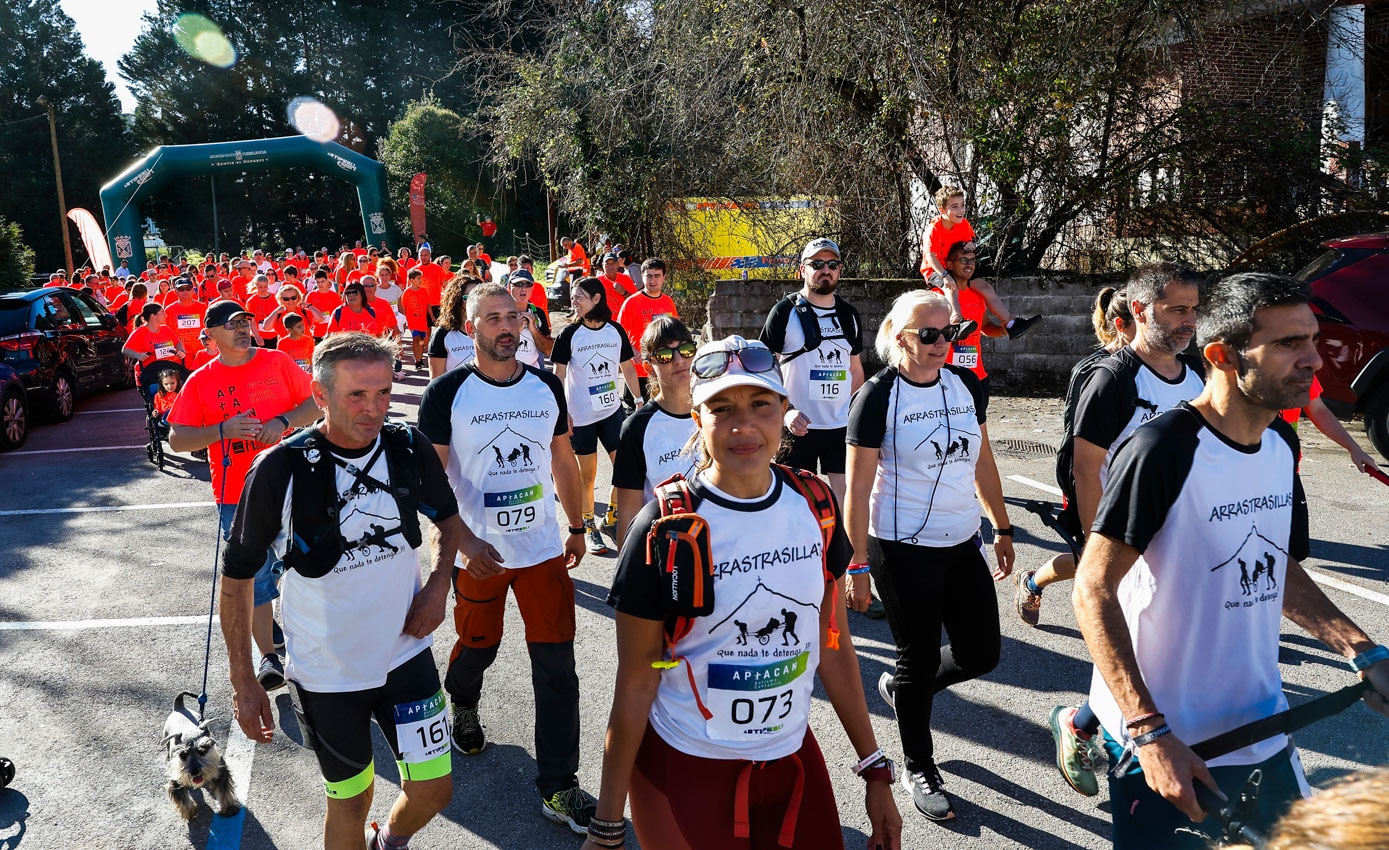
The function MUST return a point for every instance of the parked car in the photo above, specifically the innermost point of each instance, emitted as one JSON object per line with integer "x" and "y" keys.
{"x": 63, "y": 344}
{"x": 14, "y": 409}
{"x": 1350, "y": 295}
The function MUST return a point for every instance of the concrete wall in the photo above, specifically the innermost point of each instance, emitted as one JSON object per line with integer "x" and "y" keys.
{"x": 1037, "y": 364}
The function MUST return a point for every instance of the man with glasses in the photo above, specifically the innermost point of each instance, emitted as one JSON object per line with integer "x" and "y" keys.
{"x": 977, "y": 298}
{"x": 236, "y": 407}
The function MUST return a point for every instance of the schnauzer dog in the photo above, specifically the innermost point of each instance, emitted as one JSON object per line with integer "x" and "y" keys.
{"x": 195, "y": 761}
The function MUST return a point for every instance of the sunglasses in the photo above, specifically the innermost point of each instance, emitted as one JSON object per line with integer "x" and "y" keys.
{"x": 716, "y": 363}
{"x": 928, "y": 336}
{"x": 288, "y": 300}
{"x": 665, "y": 355}
{"x": 832, "y": 265}
{"x": 237, "y": 325}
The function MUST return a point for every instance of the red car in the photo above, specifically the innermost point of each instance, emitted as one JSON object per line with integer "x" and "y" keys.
{"x": 1350, "y": 295}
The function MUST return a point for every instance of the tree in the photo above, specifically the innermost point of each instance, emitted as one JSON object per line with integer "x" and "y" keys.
{"x": 45, "y": 57}
{"x": 16, "y": 258}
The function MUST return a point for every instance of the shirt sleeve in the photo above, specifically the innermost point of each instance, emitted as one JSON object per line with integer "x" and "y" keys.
{"x": 773, "y": 333}
{"x": 437, "y": 346}
{"x": 868, "y": 412}
{"x": 856, "y": 341}
{"x": 296, "y": 380}
{"x": 629, "y": 464}
{"x": 1104, "y": 408}
{"x": 1299, "y": 536}
{"x": 841, "y": 551}
{"x": 636, "y": 588}
{"x": 542, "y": 320}
{"x": 434, "y": 482}
{"x": 976, "y": 392}
{"x": 1145, "y": 478}
{"x": 561, "y": 353}
{"x": 436, "y": 406}
{"x": 258, "y": 515}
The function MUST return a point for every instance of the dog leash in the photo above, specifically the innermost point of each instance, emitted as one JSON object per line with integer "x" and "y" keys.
{"x": 224, "y": 445}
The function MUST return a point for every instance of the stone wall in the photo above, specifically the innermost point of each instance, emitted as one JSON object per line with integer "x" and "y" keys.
{"x": 1037, "y": 364}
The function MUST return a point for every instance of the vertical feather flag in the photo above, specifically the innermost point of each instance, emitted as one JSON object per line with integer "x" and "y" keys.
{"x": 92, "y": 238}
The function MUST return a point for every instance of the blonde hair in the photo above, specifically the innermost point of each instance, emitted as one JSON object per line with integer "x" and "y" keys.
{"x": 1349, "y": 815}
{"x": 945, "y": 193}
{"x": 897, "y": 318}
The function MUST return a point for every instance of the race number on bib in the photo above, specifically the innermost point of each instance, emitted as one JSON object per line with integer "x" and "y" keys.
{"x": 165, "y": 351}
{"x": 603, "y": 396}
{"x": 757, "y": 700}
{"x": 189, "y": 323}
{"x": 513, "y": 510}
{"x": 422, "y": 729}
{"x": 827, "y": 384}
{"x": 966, "y": 356}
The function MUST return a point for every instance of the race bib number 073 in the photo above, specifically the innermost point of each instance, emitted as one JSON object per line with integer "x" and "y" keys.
{"x": 757, "y": 700}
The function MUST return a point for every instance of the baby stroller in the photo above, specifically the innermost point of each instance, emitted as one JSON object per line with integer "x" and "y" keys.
{"x": 155, "y": 427}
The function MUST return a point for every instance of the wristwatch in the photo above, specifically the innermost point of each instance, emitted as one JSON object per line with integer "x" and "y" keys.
{"x": 882, "y": 770}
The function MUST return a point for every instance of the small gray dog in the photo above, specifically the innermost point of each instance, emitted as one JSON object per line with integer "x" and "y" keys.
{"x": 195, "y": 761}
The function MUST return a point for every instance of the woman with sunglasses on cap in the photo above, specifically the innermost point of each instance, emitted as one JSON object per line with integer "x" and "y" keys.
{"x": 591, "y": 356}
{"x": 919, "y": 456}
{"x": 709, "y": 735}
{"x": 651, "y": 448}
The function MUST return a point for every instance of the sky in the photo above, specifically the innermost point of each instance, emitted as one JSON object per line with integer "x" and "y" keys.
{"x": 108, "y": 29}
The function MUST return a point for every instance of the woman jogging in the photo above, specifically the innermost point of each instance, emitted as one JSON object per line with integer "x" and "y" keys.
{"x": 653, "y": 439}
{"x": 709, "y": 733}
{"x": 591, "y": 356}
{"x": 918, "y": 455}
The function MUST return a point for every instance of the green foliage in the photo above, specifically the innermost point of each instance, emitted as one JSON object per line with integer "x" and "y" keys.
{"x": 16, "y": 258}
{"x": 44, "y": 57}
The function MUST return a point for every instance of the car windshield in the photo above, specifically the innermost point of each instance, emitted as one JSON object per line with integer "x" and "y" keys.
{"x": 14, "y": 315}
{"x": 1329, "y": 262}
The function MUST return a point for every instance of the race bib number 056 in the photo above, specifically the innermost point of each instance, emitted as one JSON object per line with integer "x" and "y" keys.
{"x": 422, "y": 729}
{"x": 966, "y": 356}
{"x": 758, "y": 700}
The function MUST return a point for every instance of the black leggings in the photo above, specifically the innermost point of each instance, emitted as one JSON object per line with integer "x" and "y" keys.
{"x": 923, "y": 589}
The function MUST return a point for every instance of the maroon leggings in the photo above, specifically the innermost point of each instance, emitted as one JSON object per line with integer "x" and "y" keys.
{"x": 684, "y": 802}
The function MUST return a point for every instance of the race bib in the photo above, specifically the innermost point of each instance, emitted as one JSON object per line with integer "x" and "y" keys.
{"x": 757, "y": 700}
{"x": 603, "y": 396}
{"x": 305, "y": 365}
{"x": 513, "y": 511}
{"x": 165, "y": 351}
{"x": 189, "y": 323}
{"x": 965, "y": 356}
{"x": 422, "y": 729}
{"x": 827, "y": 384}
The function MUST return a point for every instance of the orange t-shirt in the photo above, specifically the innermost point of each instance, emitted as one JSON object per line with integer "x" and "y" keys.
{"x": 577, "y": 254}
{"x": 386, "y": 321}
{"x": 198, "y": 358}
{"x": 164, "y": 402}
{"x": 277, "y": 327}
{"x": 267, "y": 385}
{"x": 187, "y": 323}
{"x": 414, "y": 303}
{"x": 637, "y": 312}
{"x": 300, "y": 350}
{"x": 261, "y": 307}
{"x": 325, "y": 300}
{"x": 153, "y": 345}
{"x": 434, "y": 279}
{"x": 939, "y": 238}
{"x": 539, "y": 297}
{"x": 345, "y": 318}
{"x": 966, "y": 353}
{"x": 616, "y": 296}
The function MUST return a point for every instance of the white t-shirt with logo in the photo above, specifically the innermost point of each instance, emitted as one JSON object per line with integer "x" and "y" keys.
{"x": 651, "y": 449}
{"x": 818, "y": 382}
{"x": 593, "y": 361}
{"x": 928, "y": 438}
{"x": 455, "y": 347}
{"x": 754, "y": 658}
{"x": 499, "y": 435}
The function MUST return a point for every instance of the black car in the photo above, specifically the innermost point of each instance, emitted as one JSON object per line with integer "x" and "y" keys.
{"x": 63, "y": 344}
{"x": 14, "y": 409}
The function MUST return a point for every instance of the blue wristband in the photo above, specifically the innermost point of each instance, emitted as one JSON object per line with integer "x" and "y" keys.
{"x": 857, "y": 569}
{"x": 1369, "y": 658}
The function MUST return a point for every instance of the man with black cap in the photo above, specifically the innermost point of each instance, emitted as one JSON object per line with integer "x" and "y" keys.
{"x": 236, "y": 407}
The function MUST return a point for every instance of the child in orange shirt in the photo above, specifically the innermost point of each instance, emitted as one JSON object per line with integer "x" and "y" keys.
{"x": 414, "y": 303}
{"x": 297, "y": 344}
{"x": 164, "y": 400}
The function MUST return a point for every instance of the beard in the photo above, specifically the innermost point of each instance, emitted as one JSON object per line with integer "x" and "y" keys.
{"x": 1166, "y": 339}
{"x": 495, "y": 349}
{"x": 822, "y": 285}
{"x": 1271, "y": 393}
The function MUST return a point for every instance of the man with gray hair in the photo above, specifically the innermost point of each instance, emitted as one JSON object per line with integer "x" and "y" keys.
{"x": 358, "y": 622}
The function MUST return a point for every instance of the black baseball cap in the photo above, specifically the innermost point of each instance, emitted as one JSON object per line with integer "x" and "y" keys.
{"x": 222, "y": 312}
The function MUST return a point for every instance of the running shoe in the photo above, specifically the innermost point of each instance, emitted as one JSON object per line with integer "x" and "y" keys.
{"x": 419, "y": 366}
{"x": 593, "y": 538}
{"x": 1027, "y": 603}
{"x": 277, "y": 635}
{"x": 469, "y": 738}
{"x": 887, "y": 689}
{"x": 926, "y": 790}
{"x": 573, "y": 807}
{"x": 271, "y": 673}
{"x": 1074, "y": 758}
{"x": 373, "y": 829}
{"x": 967, "y": 327}
{"x": 1021, "y": 325}
{"x": 875, "y": 610}
{"x": 610, "y": 518}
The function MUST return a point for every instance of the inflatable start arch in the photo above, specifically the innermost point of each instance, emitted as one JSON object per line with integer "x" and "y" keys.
{"x": 120, "y": 198}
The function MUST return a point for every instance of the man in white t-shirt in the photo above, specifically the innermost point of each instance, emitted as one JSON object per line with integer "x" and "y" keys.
{"x": 1193, "y": 561}
{"x": 357, "y": 621}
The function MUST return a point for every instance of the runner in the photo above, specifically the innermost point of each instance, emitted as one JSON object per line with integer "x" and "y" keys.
{"x": 152, "y": 340}
{"x": 1199, "y": 536}
{"x": 452, "y": 344}
{"x": 638, "y": 311}
{"x": 536, "y": 343}
{"x": 236, "y": 407}
{"x": 919, "y": 455}
{"x": 500, "y": 427}
{"x": 358, "y": 624}
{"x": 185, "y": 315}
{"x": 353, "y": 314}
{"x": 691, "y": 737}
{"x": 590, "y": 356}
{"x": 652, "y": 445}
{"x": 292, "y": 303}
{"x": 296, "y": 342}
{"x": 616, "y": 282}
{"x": 977, "y": 299}
{"x": 261, "y": 303}
{"x": 323, "y": 299}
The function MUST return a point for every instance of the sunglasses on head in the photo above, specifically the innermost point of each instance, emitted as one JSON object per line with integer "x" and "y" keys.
{"x": 832, "y": 265}
{"x": 667, "y": 354}
{"x": 716, "y": 363}
{"x": 929, "y": 336}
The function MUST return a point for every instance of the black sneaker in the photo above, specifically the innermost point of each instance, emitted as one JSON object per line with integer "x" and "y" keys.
{"x": 1021, "y": 325}
{"x": 277, "y": 635}
{"x": 469, "y": 738}
{"x": 887, "y": 689}
{"x": 271, "y": 673}
{"x": 967, "y": 327}
{"x": 574, "y": 807}
{"x": 926, "y": 790}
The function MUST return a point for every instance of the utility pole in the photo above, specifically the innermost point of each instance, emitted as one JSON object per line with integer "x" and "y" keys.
{"x": 58, "y": 177}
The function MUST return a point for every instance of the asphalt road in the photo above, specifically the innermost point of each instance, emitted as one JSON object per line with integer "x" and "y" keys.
{"x": 85, "y": 686}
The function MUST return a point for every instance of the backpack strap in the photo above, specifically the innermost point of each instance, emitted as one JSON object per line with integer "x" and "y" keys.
{"x": 674, "y": 497}
{"x": 404, "y": 469}
{"x": 820, "y": 498}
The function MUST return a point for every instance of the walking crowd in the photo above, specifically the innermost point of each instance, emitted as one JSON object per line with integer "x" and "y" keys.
{"x": 1171, "y": 455}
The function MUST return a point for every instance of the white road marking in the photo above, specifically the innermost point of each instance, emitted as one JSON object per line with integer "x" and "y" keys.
{"x": 1045, "y": 488}
{"x": 64, "y": 451}
{"x": 1331, "y": 581}
{"x": 103, "y": 509}
{"x": 111, "y": 410}
{"x": 79, "y": 625}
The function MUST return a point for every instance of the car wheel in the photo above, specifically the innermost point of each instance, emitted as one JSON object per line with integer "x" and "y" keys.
{"x": 62, "y": 397}
{"x": 1377, "y": 419}
{"x": 14, "y": 419}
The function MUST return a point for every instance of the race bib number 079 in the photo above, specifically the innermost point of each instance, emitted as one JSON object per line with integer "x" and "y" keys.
{"x": 514, "y": 510}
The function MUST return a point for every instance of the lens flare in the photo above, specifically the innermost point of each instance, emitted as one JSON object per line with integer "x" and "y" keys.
{"x": 313, "y": 119}
{"x": 203, "y": 40}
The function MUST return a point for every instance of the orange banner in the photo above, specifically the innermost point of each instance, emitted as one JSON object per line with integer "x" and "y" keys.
{"x": 417, "y": 205}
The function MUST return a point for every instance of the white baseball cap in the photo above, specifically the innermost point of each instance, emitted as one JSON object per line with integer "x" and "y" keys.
{"x": 733, "y": 371}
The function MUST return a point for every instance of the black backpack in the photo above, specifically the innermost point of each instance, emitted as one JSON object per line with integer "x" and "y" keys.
{"x": 810, "y": 324}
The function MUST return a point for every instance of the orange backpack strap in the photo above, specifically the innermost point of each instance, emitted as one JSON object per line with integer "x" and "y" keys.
{"x": 820, "y": 498}
{"x": 674, "y": 497}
